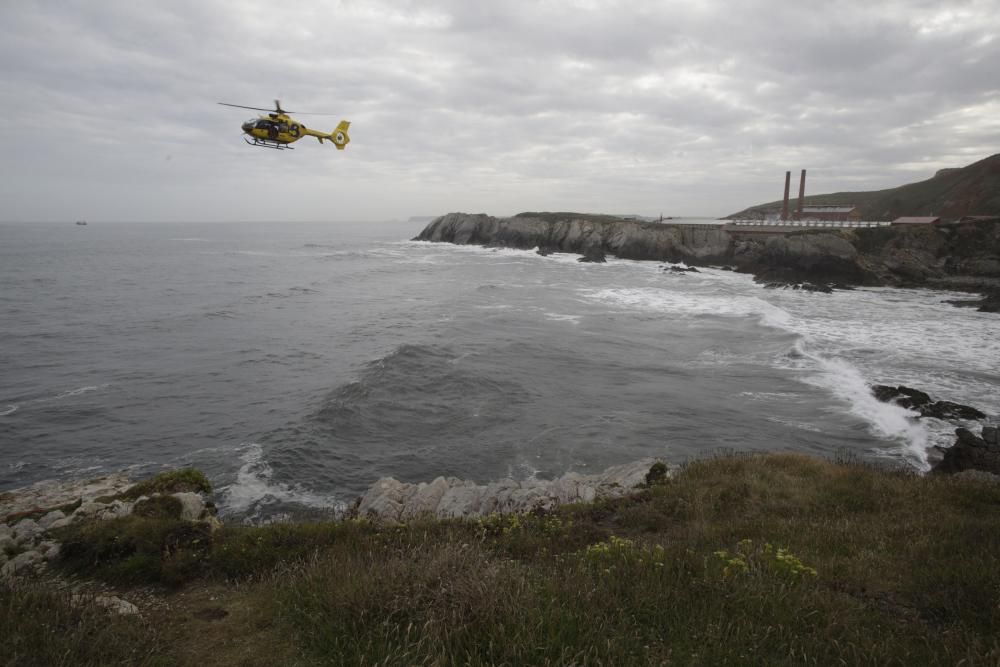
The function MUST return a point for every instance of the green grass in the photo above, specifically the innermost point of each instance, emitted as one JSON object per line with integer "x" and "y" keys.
{"x": 42, "y": 627}
{"x": 778, "y": 559}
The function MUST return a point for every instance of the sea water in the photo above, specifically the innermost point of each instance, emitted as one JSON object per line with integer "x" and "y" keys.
{"x": 298, "y": 363}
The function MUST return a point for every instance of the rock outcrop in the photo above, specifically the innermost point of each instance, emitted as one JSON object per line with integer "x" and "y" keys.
{"x": 963, "y": 256}
{"x": 31, "y": 516}
{"x": 971, "y": 452}
{"x": 394, "y": 501}
{"x": 914, "y": 399}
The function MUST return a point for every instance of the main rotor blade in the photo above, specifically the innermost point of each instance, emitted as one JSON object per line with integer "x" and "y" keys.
{"x": 297, "y": 113}
{"x": 240, "y": 106}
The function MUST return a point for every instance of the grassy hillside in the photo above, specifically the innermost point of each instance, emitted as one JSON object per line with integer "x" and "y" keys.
{"x": 952, "y": 193}
{"x": 739, "y": 560}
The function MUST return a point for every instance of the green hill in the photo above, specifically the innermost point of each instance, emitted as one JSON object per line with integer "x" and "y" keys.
{"x": 951, "y": 193}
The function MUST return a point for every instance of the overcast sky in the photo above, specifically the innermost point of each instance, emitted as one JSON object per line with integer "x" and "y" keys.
{"x": 680, "y": 108}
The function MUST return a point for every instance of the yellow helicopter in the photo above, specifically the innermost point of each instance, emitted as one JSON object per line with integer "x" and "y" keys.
{"x": 277, "y": 129}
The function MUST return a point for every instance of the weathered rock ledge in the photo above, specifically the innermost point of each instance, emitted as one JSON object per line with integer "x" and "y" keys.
{"x": 393, "y": 501}
{"x": 30, "y": 514}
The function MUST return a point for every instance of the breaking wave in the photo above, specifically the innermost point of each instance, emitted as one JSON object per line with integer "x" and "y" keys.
{"x": 811, "y": 353}
{"x": 255, "y": 489}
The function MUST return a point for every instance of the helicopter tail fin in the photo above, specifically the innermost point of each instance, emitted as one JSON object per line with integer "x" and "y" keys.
{"x": 339, "y": 136}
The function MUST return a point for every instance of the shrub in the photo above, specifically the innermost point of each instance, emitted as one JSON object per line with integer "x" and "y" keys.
{"x": 173, "y": 481}
{"x": 657, "y": 473}
{"x": 136, "y": 549}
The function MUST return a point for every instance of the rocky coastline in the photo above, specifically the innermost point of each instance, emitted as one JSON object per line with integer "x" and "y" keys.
{"x": 962, "y": 256}
{"x": 394, "y": 501}
{"x": 31, "y": 517}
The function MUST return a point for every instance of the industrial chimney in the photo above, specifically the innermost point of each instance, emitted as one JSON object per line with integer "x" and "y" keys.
{"x": 784, "y": 206}
{"x": 802, "y": 195}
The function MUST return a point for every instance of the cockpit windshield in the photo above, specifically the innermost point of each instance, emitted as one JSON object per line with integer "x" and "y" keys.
{"x": 262, "y": 124}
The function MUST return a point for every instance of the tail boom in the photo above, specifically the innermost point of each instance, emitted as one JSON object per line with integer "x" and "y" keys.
{"x": 339, "y": 136}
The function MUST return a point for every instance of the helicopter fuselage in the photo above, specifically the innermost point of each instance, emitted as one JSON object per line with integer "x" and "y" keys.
{"x": 277, "y": 130}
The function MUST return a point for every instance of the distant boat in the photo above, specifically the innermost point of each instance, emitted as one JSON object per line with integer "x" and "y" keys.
{"x": 81, "y": 222}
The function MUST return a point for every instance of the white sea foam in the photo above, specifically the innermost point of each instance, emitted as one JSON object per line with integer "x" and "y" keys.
{"x": 686, "y": 304}
{"x": 886, "y": 419}
{"x": 817, "y": 350}
{"x": 78, "y": 391}
{"x": 11, "y": 409}
{"x": 254, "y": 487}
{"x": 559, "y": 317}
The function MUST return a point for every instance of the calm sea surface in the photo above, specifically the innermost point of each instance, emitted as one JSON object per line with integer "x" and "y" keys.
{"x": 297, "y": 363}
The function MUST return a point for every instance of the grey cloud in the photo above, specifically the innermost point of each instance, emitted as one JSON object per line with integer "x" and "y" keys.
{"x": 642, "y": 107}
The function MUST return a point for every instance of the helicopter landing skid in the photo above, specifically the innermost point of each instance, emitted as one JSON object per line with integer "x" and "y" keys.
{"x": 268, "y": 143}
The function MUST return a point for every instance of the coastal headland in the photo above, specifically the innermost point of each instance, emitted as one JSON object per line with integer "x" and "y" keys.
{"x": 962, "y": 256}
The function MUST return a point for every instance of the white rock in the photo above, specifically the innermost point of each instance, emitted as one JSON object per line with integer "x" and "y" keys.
{"x": 19, "y": 563}
{"x": 192, "y": 505}
{"x": 425, "y": 499}
{"x": 5, "y": 530}
{"x": 115, "y": 510}
{"x": 392, "y": 500}
{"x": 50, "y": 518}
{"x": 383, "y": 499}
{"x": 88, "y": 509}
{"x": 52, "y": 552}
{"x": 61, "y": 523}
{"x": 116, "y": 604}
{"x": 461, "y": 501}
{"x": 53, "y": 494}
{"x": 26, "y": 531}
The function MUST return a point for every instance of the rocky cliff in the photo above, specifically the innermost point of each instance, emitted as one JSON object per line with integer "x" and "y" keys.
{"x": 963, "y": 256}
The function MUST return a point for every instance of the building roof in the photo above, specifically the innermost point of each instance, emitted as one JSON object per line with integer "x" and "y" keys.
{"x": 828, "y": 209}
{"x": 916, "y": 220}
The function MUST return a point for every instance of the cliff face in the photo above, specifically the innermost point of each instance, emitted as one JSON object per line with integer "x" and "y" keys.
{"x": 959, "y": 256}
{"x": 629, "y": 239}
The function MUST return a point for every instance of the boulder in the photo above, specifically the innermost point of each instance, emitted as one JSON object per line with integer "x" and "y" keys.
{"x": 546, "y": 250}
{"x": 919, "y": 401}
{"x": 50, "y": 518}
{"x": 192, "y": 505}
{"x": 61, "y": 523}
{"x": 26, "y": 530}
{"x": 460, "y": 501}
{"x": 116, "y": 509}
{"x": 594, "y": 254}
{"x": 109, "y": 602}
{"x": 19, "y": 563}
{"x": 116, "y": 604}
{"x": 49, "y": 550}
{"x": 970, "y": 452}
{"x": 384, "y": 499}
{"x": 425, "y": 500}
{"x": 88, "y": 509}
{"x": 905, "y": 397}
{"x": 949, "y": 410}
